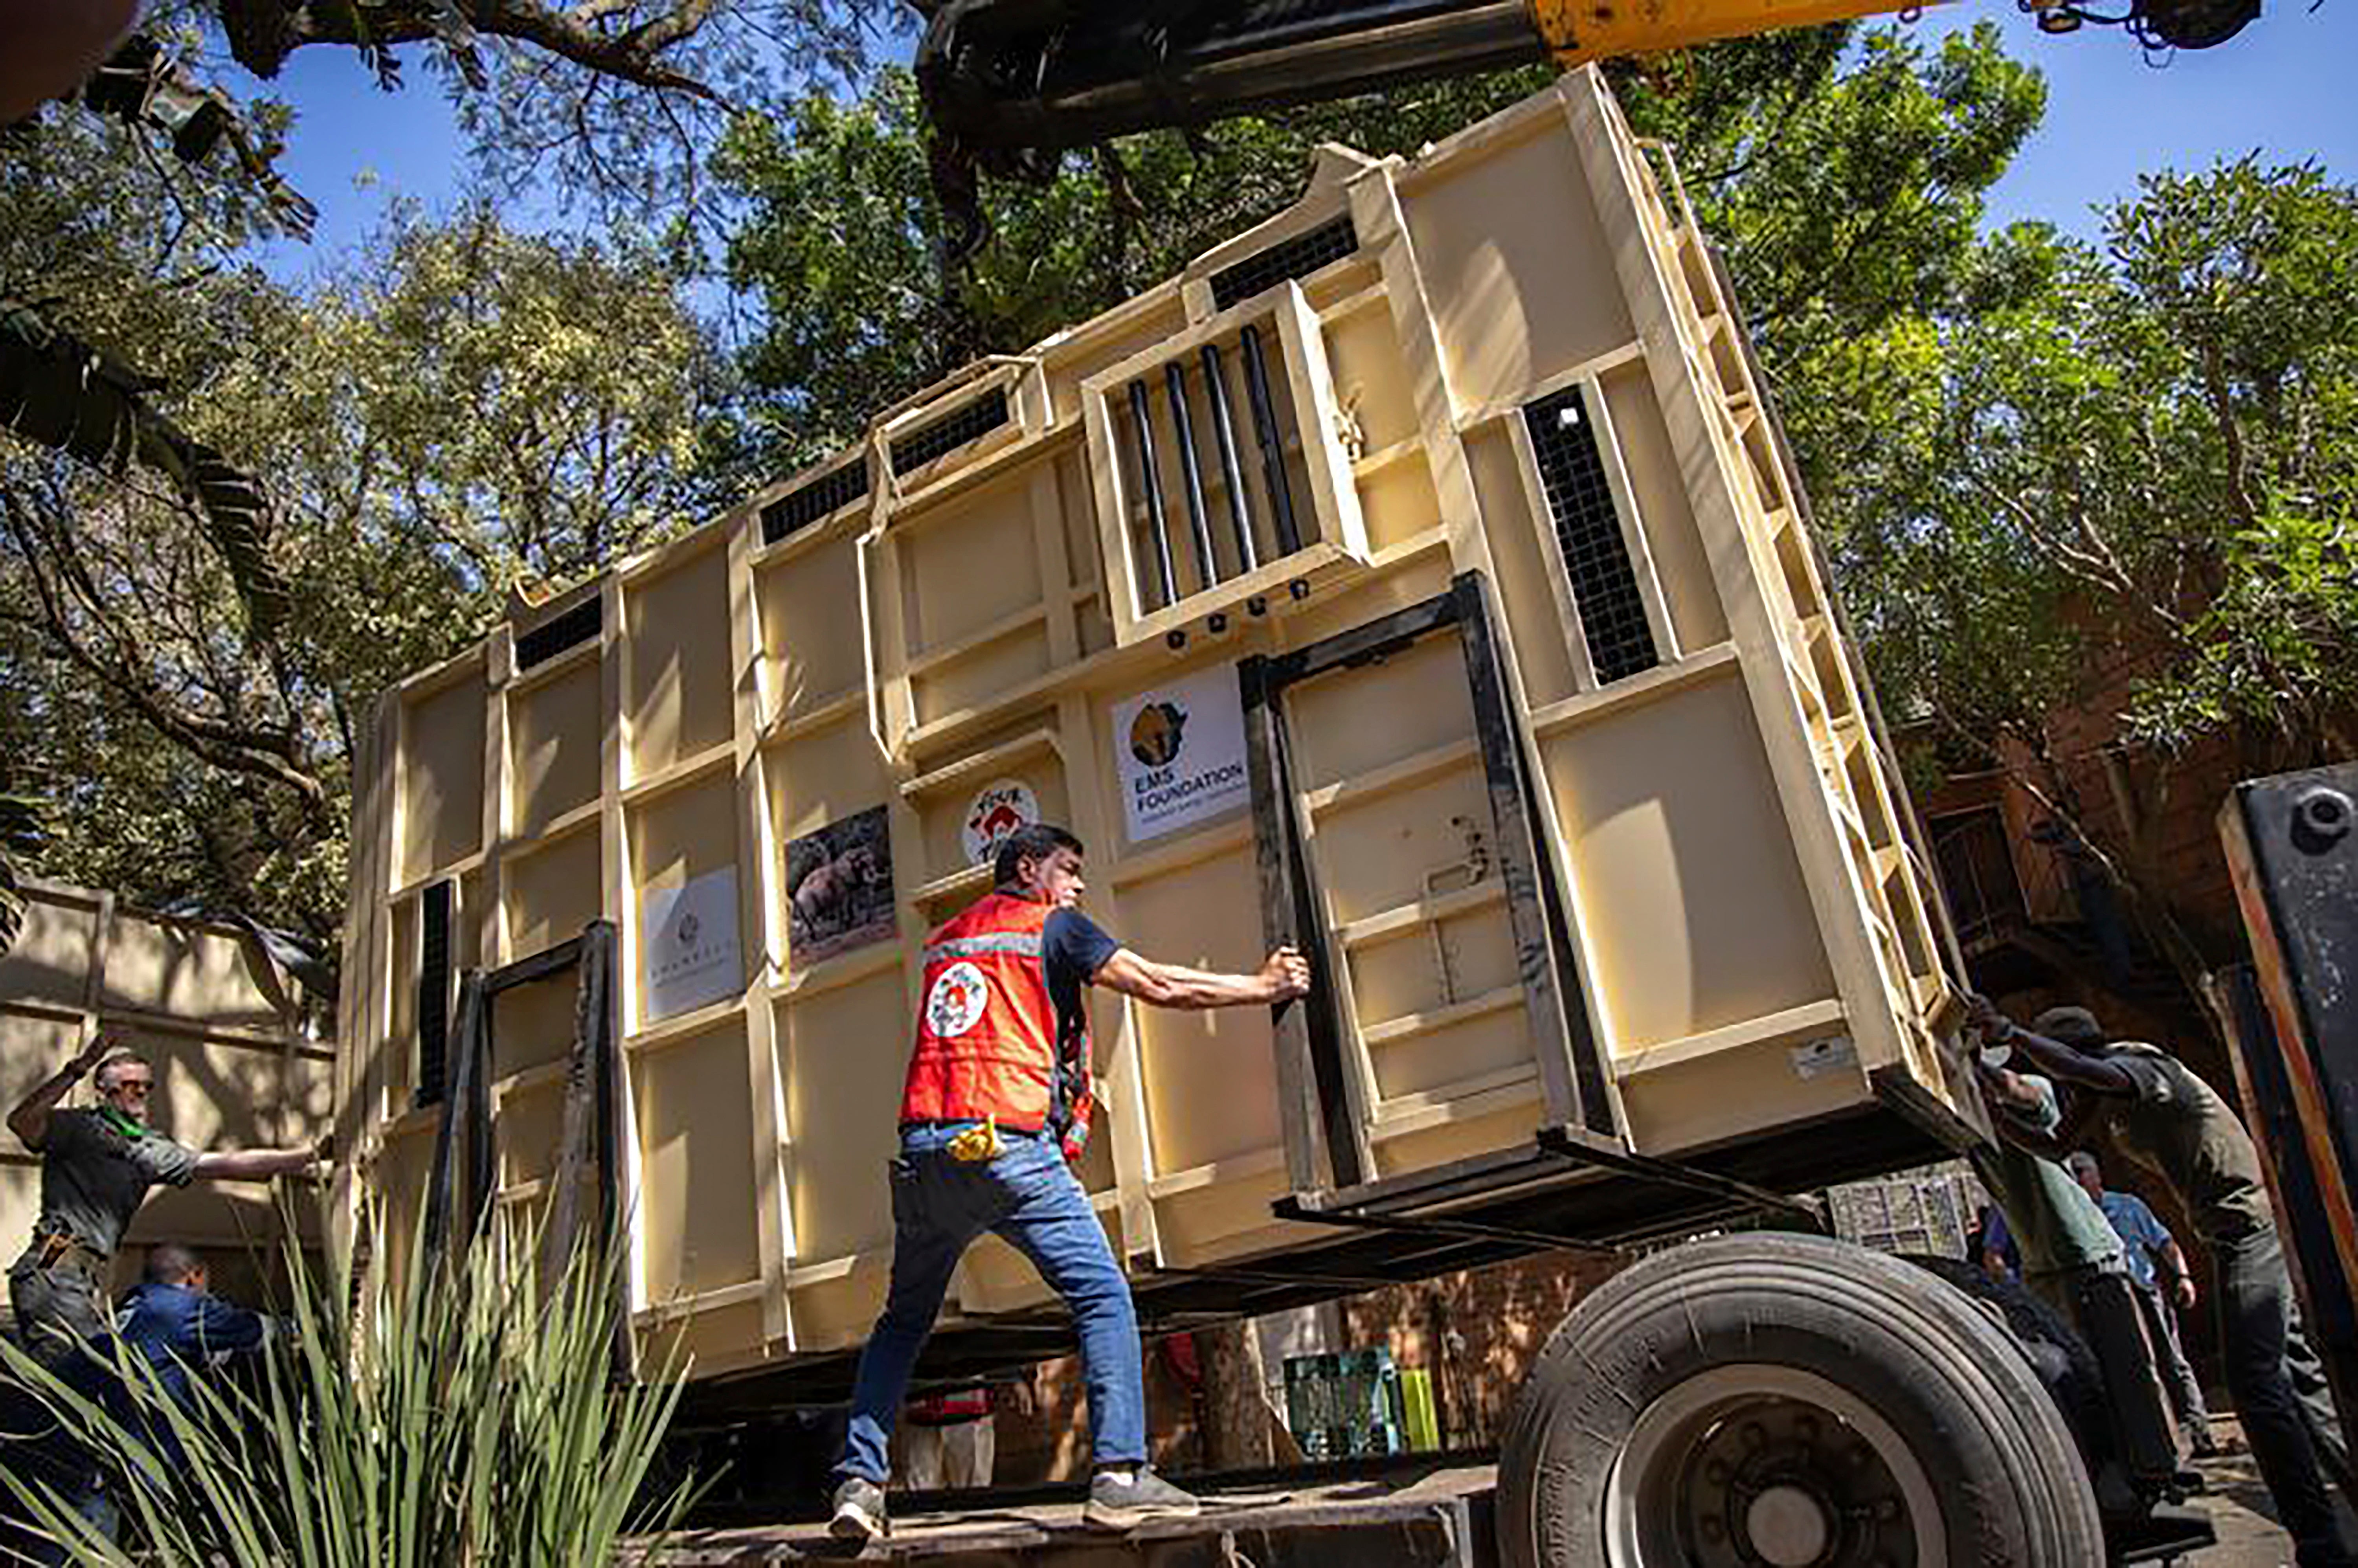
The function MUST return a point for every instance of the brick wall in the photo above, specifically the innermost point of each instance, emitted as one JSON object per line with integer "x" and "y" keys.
{"x": 1478, "y": 1331}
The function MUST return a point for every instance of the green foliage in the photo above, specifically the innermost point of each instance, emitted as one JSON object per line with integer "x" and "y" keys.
{"x": 520, "y": 405}
{"x": 1846, "y": 203}
{"x": 20, "y": 835}
{"x": 2133, "y": 482}
{"x": 463, "y": 409}
{"x": 446, "y": 1413}
{"x": 1844, "y": 182}
{"x": 842, "y": 240}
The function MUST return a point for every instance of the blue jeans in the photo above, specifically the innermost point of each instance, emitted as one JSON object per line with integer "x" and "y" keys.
{"x": 1030, "y": 1198}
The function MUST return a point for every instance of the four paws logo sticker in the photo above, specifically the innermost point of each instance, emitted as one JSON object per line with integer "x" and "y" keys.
{"x": 998, "y": 809}
{"x": 955, "y": 1002}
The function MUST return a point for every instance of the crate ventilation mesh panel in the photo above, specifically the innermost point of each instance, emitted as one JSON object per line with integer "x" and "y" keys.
{"x": 965, "y": 422}
{"x": 806, "y": 504}
{"x": 433, "y": 993}
{"x": 1297, "y": 257}
{"x": 576, "y": 626}
{"x": 1596, "y": 552}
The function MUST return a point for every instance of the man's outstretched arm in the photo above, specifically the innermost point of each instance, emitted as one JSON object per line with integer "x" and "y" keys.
{"x": 1284, "y": 975}
{"x": 258, "y": 1164}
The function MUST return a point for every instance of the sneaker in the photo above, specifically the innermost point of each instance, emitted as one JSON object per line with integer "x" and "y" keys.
{"x": 858, "y": 1510}
{"x": 2203, "y": 1445}
{"x": 1124, "y": 1500}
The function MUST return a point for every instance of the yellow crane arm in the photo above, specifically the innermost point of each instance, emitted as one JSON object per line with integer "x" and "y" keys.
{"x": 1578, "y": 31}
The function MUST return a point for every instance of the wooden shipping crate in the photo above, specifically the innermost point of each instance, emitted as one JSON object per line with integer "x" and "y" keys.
{"x": 1417, "y": 577}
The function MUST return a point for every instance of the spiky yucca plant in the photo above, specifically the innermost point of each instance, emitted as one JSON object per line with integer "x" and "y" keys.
{"x": 458, "y": 1413}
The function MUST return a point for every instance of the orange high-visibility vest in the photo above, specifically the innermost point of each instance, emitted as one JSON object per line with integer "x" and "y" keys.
{"x": 987, "y": 1044}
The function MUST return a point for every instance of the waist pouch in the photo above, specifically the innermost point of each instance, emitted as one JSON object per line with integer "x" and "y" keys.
{"x": 57, "y": 1250}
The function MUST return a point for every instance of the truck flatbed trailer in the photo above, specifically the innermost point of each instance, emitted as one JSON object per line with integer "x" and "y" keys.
{"x": 1425, "y": 1510}
{"x": 1434, "y": 1511}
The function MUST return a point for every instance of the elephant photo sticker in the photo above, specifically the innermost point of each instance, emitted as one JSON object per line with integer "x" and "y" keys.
{"x": 839, "y": 888}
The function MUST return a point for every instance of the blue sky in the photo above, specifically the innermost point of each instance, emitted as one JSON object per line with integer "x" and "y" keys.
{"x": 2110, "y": 116}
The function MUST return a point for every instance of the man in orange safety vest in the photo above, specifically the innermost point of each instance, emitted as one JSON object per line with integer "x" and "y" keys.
{"x": 997, "y": 1105}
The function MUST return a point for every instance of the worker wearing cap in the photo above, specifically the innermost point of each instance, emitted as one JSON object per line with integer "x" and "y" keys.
{"x": 996, "y": 1105}
{"x": 2171, "y": 1122}
{"x": 97, "y": 1165}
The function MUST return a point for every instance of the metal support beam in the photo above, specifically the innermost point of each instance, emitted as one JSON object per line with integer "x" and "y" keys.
{"x": 1433, "y": 1225}
{"x": 1191, "y": 474}
{"x": 1272, "y": 445}
{"x": 1224, "y": 433}
{"x": 1569, "y": 1145}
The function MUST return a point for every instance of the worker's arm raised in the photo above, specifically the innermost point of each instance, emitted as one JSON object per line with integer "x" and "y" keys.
{"x": 1284, "y": 975}
{"x": 30, "y": 1120}
{"x": 2027, "y": 1117}
{"x": 2052, "y": 1057}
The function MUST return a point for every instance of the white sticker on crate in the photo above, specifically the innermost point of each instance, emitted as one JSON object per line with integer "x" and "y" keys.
{"x": 688, "y": 943}
{"x": 1180, "y": 751}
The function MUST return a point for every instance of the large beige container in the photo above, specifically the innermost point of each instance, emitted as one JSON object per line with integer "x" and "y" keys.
{"x": 234, "y": 1066}
{"x": 1518, "y": 701}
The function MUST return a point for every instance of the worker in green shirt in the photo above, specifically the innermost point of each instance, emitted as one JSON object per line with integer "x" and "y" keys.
{"x": 2064, "y": 1238}
{"x": 97, "y": 1165}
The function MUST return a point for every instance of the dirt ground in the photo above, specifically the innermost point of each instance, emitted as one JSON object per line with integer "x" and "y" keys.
{"x": 2238, "y": 1505}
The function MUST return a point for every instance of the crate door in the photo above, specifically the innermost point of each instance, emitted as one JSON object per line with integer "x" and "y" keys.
{"x": 1398, "y": 853}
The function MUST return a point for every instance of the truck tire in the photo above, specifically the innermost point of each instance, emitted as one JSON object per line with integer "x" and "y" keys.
{"x": 1789, "y": 1401}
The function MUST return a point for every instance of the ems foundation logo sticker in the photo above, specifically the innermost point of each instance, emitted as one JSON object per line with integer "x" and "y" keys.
{"x": 1156, "y": 732}
{"x": 997, "y": 811}
{"x": 1180, "y": 753}
{"x": 956, "y": 1000}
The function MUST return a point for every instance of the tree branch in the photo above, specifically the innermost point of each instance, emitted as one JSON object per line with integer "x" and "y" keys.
{"x": 633, "y": 56}
{"x": 261, "y": 753}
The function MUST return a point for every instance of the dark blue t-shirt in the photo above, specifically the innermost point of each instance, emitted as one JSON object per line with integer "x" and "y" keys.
{"x": 1073, "y": 948}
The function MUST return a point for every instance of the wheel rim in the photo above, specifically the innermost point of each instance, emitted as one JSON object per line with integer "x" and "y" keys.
{"x": 1762, "y": 1467}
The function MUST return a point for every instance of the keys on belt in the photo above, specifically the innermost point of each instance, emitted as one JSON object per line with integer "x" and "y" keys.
{"x": 57, "y": 1247}
{"x": 975, "y": 1145}
{"x": 978, "y": 1144}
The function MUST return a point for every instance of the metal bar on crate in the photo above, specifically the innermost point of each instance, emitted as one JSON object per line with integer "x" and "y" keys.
{"x": 1224, "y": 431}
{"x": 1273, "y": 449}
{"x": 464, "y": 1133}
{"x": 1574, "y": 1081}
{"x": 1191, "y": 477}
{"x": 1151, "y": 480}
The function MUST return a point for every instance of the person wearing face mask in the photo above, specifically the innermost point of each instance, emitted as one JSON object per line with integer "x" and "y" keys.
{"x": 97, "y": 1164}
